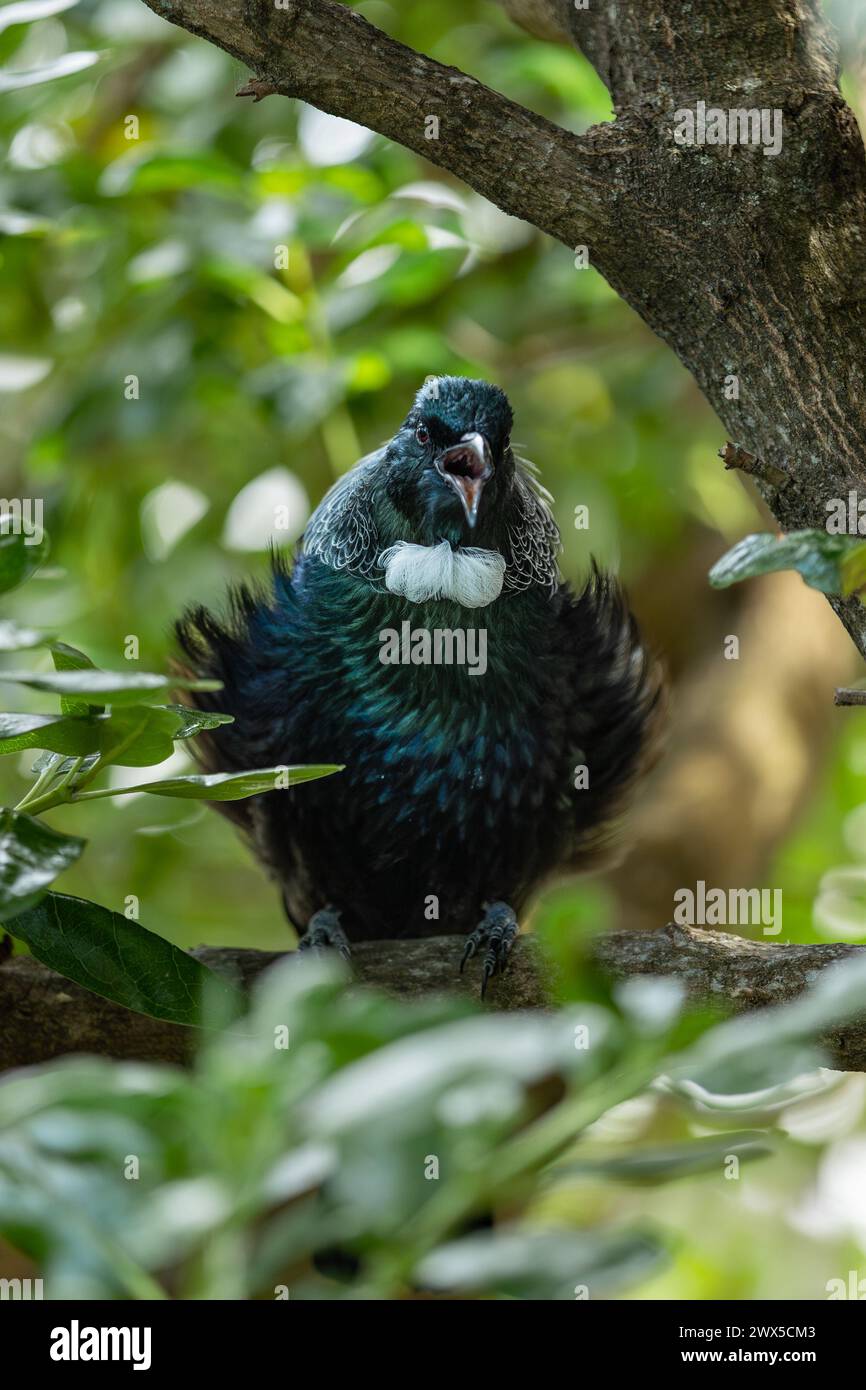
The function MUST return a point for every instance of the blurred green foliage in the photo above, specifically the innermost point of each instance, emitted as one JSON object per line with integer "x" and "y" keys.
{"x": 279, "y": 284}
{"x": 334, "y": 1143}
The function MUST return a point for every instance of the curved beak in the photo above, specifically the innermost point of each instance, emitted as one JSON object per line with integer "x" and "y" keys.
{"x": 467, "y": 466}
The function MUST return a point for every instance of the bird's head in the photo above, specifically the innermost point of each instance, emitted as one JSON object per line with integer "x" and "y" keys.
{"x": 450, "y": 465}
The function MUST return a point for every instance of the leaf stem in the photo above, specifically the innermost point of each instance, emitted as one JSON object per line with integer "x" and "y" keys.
{"x": 32, "y": 795}
{"x": 59, "y": 794}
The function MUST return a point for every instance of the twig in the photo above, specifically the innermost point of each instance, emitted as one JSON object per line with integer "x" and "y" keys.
{"x": 849, "y": 695}
{"x": 258, "y": 89}
{"x": 735, "y": 456}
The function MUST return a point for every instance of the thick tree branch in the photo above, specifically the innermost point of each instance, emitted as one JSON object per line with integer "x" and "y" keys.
{"x": 43, "y": 1015}
{"x": 326, "y": 54}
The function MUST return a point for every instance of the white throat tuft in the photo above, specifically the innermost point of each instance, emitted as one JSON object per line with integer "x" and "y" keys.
{"x": 471, "y": 577}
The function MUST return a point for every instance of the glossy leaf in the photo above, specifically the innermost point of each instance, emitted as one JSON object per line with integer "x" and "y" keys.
{"x": 142, "y": 735}
{"x": 115, "y": 957}
{"x": 131, "y": 736}
{"x": 68, "y": 658}
{"x": 112, "y": 687}
{"x": 831, "y": 563}
{"x": 223, "y": 786}
{"x": 63, "y": 765}
{"x": 65, "y": 734}
{"x": 31, "y": 857}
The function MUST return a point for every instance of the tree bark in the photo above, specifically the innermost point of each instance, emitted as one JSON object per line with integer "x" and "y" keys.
{"x": 748, "y": 266}
{"x": 43, "y": 1015}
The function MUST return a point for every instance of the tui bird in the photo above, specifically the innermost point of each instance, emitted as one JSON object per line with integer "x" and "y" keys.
{"x": 467, "y": 782}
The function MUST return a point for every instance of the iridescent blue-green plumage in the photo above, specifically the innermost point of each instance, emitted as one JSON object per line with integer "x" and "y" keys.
{"x": 458, "y": 789}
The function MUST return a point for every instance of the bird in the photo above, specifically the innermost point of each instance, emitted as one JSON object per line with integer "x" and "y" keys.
{"x": 477, "y": 764}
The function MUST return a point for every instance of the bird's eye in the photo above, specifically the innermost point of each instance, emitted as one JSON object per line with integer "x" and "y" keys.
{"x": 422, "y": 434}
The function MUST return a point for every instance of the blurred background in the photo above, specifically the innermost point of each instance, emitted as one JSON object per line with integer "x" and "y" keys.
{"x": 210, "y": 309}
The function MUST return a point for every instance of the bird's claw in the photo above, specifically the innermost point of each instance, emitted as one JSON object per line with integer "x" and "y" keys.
{"x": 324, "y": 933}
{"x": 497, "y": 930}
{"x": 470, "y": 948}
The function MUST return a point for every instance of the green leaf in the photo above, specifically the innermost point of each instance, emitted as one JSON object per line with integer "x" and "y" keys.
{"x": 407, "y": 1080}
{"x": 114, "y": 687}
{"x": 188, "y": 722}
{"x": 131, "y": 736}
{"x": 174, "y": 170}
{"x": 26, "y": 11}
{"x": 31, "y": 857}
{"x": 16, "y": 639}
{"x": 541, "y": 1264}
{"x": 658, "y": 1164}
{"x": 114, "y": 957}
{"x": 63, "y": 66}
{"x": 18, "y": 559}
{"x": 148, "y": 733}
{"x": 58, "y": 733}
{"x": 854, "y": 570}
{"x": 64, "y": 765}
{"x": 68, "y": 658}
{"x": 142, "y": 735}
{"x": 223, "y": 786}
{"x": 832, "y": 563}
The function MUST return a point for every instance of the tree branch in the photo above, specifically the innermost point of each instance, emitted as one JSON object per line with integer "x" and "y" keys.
{"x": 43, "y": 1015}
{"x": 328, "y": 55}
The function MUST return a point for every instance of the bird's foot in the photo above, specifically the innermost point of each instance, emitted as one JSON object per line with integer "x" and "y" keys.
{"x": 496, "y": 930}
{"x": 324, "y": 933}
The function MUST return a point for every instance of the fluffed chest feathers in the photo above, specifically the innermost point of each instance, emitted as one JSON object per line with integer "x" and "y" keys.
{"x": 443, "y": 719}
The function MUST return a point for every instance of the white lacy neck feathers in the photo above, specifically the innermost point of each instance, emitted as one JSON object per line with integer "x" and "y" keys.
{"x": 471, "y": 577}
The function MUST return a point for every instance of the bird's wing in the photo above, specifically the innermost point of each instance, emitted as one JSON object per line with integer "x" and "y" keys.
{"x": 250, "y": 651}
{"x": 341, "y": 532}
{"x": 614, "y": 697}
{"x": 533, "y": 542}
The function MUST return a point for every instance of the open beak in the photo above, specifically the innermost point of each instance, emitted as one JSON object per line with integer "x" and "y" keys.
{"x": 467, "y": 466}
